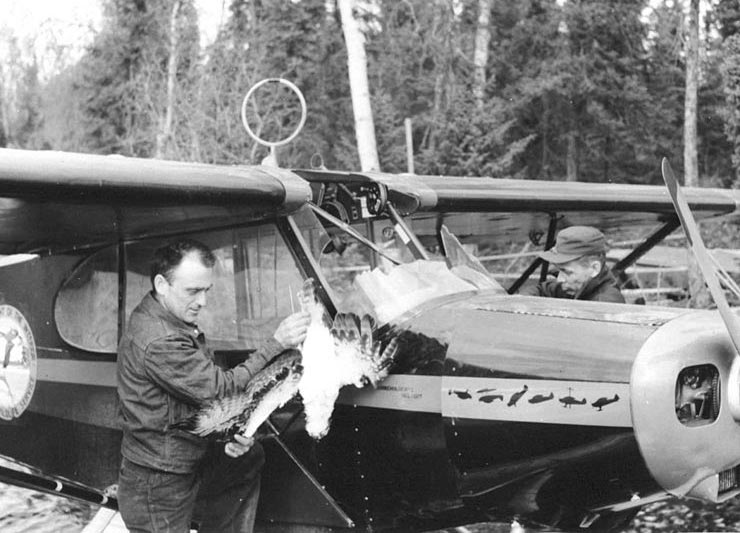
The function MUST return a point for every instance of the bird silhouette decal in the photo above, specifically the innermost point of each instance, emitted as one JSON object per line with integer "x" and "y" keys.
{"x": 490, "y": 398}
{"x": 539, "y": 398}
{"x": 516, "y": 396}
{"x": 348, "y": 351}
{"x": 603, "y": 401}
{"x": 462, "y": 394}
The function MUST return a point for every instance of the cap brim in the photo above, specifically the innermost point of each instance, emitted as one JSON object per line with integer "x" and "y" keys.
{"x": 556, "y": 258}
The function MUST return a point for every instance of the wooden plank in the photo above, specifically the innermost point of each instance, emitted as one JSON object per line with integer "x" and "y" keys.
{"x": 108, "y": 521}
{"x": 102, "y": 521}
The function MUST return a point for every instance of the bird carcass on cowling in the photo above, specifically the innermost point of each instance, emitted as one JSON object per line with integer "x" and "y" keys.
{"x": 345, "y": 352}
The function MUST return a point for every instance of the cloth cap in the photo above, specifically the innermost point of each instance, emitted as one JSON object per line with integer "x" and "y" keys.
{"x": 574, "y": 242}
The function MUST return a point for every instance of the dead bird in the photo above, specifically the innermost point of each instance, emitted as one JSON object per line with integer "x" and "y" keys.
{"x": 244, "y": 413}
{"x": 348, "y": 351}
{"x": 351, "y": 350}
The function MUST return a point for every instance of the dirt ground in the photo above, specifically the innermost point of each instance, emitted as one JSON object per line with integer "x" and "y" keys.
{"x": 687, "y": 515}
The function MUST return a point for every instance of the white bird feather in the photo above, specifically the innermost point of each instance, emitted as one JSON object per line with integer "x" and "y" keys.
{"x": 348, "y": 352}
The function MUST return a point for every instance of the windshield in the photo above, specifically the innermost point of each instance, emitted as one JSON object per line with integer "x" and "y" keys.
{"x": 386, "y": 282}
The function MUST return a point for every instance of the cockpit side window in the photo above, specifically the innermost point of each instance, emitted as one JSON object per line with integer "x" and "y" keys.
{"x": 270, "y": 280}
{"x": 86, "y": 307}
{"x": 218, "y": 319}
{"x": 256, "y": 280}
{"x": 255, "y": 284}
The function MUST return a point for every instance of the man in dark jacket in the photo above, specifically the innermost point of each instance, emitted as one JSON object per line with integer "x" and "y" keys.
{"x": 580, "y": 257}
{"x": 169, "y": 477}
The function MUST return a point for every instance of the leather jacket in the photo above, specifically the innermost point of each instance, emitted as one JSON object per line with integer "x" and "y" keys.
{"x": 165, "y": 372}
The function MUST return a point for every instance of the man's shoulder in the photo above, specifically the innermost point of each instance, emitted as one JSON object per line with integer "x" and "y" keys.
{"x": 608, "y": 290}
{"x": 611, "y": 293}
{"x": 146, "y": 326}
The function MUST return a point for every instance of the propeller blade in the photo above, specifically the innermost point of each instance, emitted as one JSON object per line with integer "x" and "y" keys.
{"x": 731, "y": 320}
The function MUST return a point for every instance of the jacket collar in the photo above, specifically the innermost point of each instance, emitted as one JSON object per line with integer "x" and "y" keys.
{"x": 154, "y": 307}
{"x": 593, "y": 285}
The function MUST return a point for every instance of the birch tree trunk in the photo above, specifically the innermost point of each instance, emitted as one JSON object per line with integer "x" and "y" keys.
{"x": 480, "y": 56}
{"x": 571, "y": 161}
{"x": 4, "y": 114}
{"x": 690, "y": 158}
{"x": 359, "y": 89}
{"x": 699, "y": 296}
{"x": 164, "y": 136}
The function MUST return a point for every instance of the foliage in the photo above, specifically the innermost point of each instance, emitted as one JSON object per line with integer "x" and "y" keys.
{"x": 582, "y": 89}
{"x": 728, "y": 15}
{"x": 28, "y": 117}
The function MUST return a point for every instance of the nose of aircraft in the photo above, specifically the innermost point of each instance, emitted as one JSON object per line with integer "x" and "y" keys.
{"x": 682, "y": 417}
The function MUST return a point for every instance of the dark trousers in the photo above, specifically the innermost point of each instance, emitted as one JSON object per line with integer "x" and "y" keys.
{"x": 221, "y": 496}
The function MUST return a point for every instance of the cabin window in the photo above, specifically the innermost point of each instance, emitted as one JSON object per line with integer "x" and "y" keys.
{"x": 342, "y": 259}
{"x": 255, "y": 284}
{"x": 505, "y": 243}
{"x": 339, "y": 257}
{"x": 270, "y": 278}
{"x": 86, "y": 307}
{"x": 379, "y": 277}
{"x": 218, "y": 319}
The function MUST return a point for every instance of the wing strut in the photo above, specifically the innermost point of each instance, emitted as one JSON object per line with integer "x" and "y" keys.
{"x": 54, "y": 485}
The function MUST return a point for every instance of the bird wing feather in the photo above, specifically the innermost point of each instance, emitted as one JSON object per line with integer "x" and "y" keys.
{"x": 345, "y": 351}
{"x": 230, "y": 414}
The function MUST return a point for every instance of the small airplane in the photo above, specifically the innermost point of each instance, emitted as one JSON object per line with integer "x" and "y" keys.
{"x": 421, "y": 451}
{"x": 539, "y": 398}
{"x": 602, "y": 402}
{"x": 569, "y": 401}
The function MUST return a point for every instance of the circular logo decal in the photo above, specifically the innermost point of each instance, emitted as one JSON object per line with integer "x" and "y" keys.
{"x": 17, "y": 363}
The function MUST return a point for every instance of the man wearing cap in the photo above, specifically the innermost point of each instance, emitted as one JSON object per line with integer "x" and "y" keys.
{"x": 580, "y": 257}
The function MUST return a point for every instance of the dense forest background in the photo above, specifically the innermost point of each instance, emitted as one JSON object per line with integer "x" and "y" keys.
{"x": 589, "y": 90}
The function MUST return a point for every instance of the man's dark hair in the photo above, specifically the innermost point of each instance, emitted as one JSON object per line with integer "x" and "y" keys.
{"x": 169, "y": 256}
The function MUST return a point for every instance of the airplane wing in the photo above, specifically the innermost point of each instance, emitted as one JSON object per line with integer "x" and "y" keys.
{"x": 508, "y": 210}
{"x": 53, "y": 201}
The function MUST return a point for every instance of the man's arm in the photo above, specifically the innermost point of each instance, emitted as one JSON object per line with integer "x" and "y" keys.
{"x": 550, "y": 288}
{"x": 188, "y": 374}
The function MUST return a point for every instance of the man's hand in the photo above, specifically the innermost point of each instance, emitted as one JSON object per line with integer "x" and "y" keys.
{"x": 239, "y": 446}
{"x": 291, "y": 331}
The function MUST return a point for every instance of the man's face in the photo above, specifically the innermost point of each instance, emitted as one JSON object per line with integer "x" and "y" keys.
{"x": 185, "y": 295}
{"x": 574, "y": 274}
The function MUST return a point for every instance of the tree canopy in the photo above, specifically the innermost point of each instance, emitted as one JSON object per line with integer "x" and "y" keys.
{"x": 588, "y": 90}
